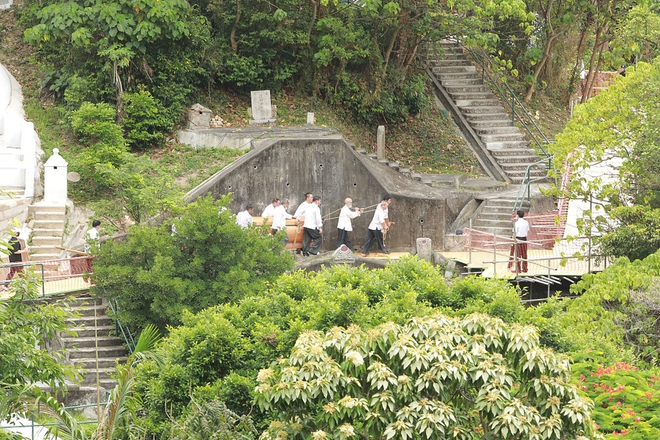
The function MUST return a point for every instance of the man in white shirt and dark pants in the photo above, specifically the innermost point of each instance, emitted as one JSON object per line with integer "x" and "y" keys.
{"x": 344, "y": 224}
{"x": 378, "y": 224}
{"x": 313, "y": 228}
{"x": 519, "y": 248}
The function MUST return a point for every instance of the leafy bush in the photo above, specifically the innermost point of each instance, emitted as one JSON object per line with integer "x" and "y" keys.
{"x": 143, "y": 123}
{"x": 433, "y": 378}
{"x": 156, "y": 274}
{"x": 627, "y": 400}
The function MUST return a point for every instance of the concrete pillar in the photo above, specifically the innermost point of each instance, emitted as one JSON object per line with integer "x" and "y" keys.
{"x": 310, "y": 118}
{"x": 55, "y": 182}
{"x": 380, "y": 142}
{"x": 425, "y": 249}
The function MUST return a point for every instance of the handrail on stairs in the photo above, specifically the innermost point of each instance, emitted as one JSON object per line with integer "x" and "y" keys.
{"x": 121, "y": 329}
{"x": 524, "y": 191}
{"x": 511, "y": 99}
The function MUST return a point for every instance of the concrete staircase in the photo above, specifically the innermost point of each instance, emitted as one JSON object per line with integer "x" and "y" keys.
{"x": 484, "y": 114}
{"x": 495, "y": 216}
{"x": 94, "y": 334}
{"x": 47, "y": 230}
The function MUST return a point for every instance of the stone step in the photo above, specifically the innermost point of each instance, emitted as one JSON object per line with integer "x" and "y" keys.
{"x": 456, "y": 60}
{"x": 103, "y": 341}
{"x": 492, "y": 223}
{"x": 105, "y": 378}
{"x": 521, "y": 166}
{"x": 500, "y": 152}
{"x": 462, "y": 82}
{"x": 482, "y": 109}
{"x": 483, "y": 117}
{"x": 488, "y": 138}
{"x": 48, "y": 215}
{"x": 515, "y": 160}
{"x": 44, "y": 257}
{"x": 467, "y": 88}
{"x": 103, "y": 352}
{"x": 89, "y": 363}
{"x": 506, "y": 146}
{"x": 510, "y": 129}
{"x": 87, "y": 321}
{"x": 44, "y": 249}
{"x": 45, "y": 240}
{"x": 442, "y": 70}
{"x": 45, "y": 208}
{"x": 83, "y": 332}
{"x": 472, "y": 103}
{"x": 491, "y": 123}
{"x": 48, "y": 224}
{"x": 89, "y": 310}
{"x": 471, "y": 96}
{"x": 457, "y": 76}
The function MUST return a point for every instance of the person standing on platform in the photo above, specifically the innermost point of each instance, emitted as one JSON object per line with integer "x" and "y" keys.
{"x": 344, "y": 224}
{"x": 244, "y": 218}
{"x": 519, "y": 248}
{"x": 379, "y": 223}
{"x": 280, "y": 217}
{"x": 92, "y": 237}
{"x": 313, "y": 228}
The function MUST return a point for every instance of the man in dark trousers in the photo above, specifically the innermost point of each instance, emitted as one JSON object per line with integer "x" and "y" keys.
{"x": 519, "y": 247}
{"x": 15, "y": 255}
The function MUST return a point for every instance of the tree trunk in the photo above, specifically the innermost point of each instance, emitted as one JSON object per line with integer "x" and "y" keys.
{"x": 578, "y": 57}
{"x": 388, "y": 52}
{"x": 310, "y": 28}
{"x": 232, "y": 35}
{"x": 539, "y": 67}
{"x": 592, "y": 62}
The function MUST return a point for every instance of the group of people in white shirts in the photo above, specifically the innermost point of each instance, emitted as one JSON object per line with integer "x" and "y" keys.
{"x": 308, "y": 215}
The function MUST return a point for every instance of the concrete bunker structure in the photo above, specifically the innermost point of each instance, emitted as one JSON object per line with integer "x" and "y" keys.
{"x": 327, "y": 166}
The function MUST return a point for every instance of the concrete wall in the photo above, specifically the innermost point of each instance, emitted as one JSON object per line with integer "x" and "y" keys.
{"x": 331, "y": 169}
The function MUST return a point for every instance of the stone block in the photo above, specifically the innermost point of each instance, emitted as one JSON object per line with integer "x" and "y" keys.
{"x": 425, "y": 249}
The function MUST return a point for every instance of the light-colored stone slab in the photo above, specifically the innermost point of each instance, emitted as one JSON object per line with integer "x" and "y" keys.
{"x": 425, "y": 249}
{"x": 380, "y": 142}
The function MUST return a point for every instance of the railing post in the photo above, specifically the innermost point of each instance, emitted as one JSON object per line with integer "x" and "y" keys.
{"x": 43, "y": 280}
{"x": 513, "y": 108}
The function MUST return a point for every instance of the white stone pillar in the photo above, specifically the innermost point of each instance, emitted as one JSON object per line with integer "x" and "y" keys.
{"x": 55, "y": 182}
{"x": 380, "y": 142}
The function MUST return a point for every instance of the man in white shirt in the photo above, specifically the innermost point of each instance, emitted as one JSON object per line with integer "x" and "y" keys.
{"x": 92, "y": 237}
{"x": 344, "y": 224}
{"x": 244, "y": 218}
{"x": 379, "y": 223}
{"x": 519, "y": 248}
{"x": 280, "y": 217}
{"x": 270, "y": 209}
{"x": 302, "y": 208}
{"x": 313, "y": 228}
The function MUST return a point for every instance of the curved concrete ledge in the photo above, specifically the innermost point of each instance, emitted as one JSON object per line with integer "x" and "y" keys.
{"x": 327, "y": 166}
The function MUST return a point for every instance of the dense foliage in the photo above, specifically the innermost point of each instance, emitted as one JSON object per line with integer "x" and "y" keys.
{"x": 361, "y": 55}
{"x": 216, "y": 353}
{"x": 25, "y": 324}
{"x": 197, "y": 260}
{"x": 619, "y": 127}
{"x": 433, "y": 378}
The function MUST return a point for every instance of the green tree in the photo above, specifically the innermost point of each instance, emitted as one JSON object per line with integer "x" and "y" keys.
{"x": 25, "y": 327}
{"x": 432, "y": 378}
{"x": 198, "y": 260}
{"x": 622, "y": 122}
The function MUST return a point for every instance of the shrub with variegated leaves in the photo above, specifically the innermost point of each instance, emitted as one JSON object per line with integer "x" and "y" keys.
{"x": 435, "y": 378}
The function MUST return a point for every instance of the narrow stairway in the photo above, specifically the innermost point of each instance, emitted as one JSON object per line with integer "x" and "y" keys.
{"x": 484, "y": 114}
{"x": 94, "y": 348}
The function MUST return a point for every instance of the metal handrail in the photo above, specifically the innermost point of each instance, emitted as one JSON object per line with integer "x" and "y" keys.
{"x": 119, "y": 327}
{"x": 482, "y": 59}
{"x": 525, "y": 185}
